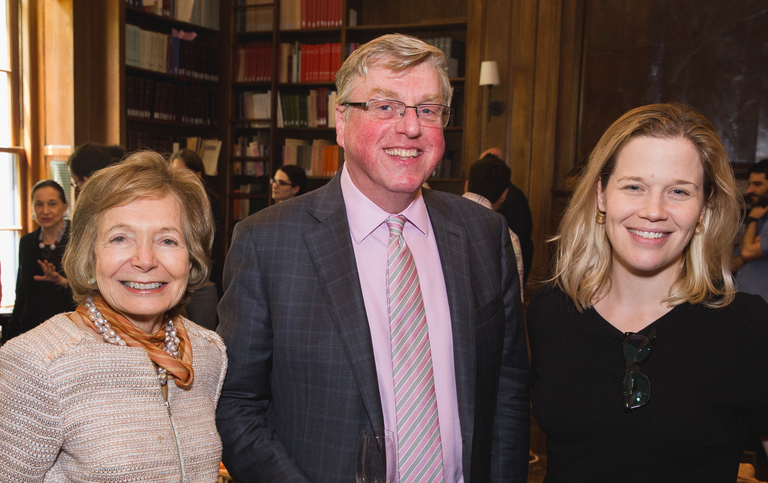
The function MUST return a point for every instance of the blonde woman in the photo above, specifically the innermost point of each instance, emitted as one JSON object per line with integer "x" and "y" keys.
{"x": 645, "y": 361}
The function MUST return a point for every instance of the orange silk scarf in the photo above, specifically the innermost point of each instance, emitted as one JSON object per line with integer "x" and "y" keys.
{"x": 180, "y": 369}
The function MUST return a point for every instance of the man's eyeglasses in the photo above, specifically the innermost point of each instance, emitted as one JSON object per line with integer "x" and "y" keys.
{"x": 280, "y": 182}
{"x": 637, "y": 387}
{"x": 434, "y": 115}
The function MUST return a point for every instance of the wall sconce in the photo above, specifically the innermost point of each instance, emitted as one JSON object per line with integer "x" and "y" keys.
{"x": 489, "y": 76}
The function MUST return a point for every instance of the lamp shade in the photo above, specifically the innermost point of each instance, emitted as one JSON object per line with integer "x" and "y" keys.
{"x": 489, "y": 73}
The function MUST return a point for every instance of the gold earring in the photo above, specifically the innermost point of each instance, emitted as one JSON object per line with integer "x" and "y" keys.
{"x": 600, "y": 217}
{"x": 699, "y": 228}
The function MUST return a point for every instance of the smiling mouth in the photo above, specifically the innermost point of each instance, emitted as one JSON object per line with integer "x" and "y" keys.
{"x": 650, "y": 235}
{"x": 402, "y": 153}
{"x": 143, "y": 286}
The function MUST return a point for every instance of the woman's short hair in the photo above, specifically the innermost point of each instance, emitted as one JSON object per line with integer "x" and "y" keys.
{"x": 583, "y": 257}
{"x": 396, "y": 52}
{"x": 48, "y": 183}
{"x": 143, "y": 174}
{"x": 297, "y": 175}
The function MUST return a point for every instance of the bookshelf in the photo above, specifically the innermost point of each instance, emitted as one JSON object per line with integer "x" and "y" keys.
{"x": 171, "y": 73}
{"x": 265, "y": 37}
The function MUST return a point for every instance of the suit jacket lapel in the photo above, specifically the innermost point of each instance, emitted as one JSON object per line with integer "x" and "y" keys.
{"x": 452, "y": 243}
{"x": 330, "y": 247}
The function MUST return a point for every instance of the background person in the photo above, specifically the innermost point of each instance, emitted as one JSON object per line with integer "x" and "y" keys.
{"x": 751, "y": 262}
{"x": 41, "y": 284}
{"x": 202, "y": 305}
{"x": 516, "y": 210}
{"x": 289, "y": 181}
{"x": 123, "y": 389}
{"x": 487, "y": 186}
{"x": 305, "y": 311}
{"x": 91, "y": 157}
{"x": 643, "y": 268}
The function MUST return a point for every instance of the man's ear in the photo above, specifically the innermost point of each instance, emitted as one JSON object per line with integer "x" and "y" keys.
{"x": 339, "y": 125}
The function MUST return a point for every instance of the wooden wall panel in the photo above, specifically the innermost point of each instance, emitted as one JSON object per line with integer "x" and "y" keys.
{"x": 705, "y": 53}
{"x": 98, "y": 59}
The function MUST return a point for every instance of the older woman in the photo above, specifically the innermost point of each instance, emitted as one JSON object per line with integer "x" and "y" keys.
{"x": 289, "y": 181}
{"x": 646, "y": 364}
{"x": 122, "y": 389}
{"x": 41, "y": 285}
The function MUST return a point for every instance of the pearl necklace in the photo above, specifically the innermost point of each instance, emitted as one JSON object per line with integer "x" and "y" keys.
{"x": 111, "y": 336}
{"x": 47, "y": 249}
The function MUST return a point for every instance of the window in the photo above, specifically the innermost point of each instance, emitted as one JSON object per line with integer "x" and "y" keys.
{"x": 11, "y": 158}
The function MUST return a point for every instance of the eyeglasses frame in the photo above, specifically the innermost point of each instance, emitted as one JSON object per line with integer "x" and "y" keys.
{"x": 447, "y": 109}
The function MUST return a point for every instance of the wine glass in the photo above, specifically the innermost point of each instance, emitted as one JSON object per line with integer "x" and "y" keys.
{"x": 376, "y": 457}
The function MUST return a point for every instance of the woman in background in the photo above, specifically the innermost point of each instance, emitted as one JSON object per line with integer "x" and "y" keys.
{"x": 646, "y": 363}
{"x": 41, "y": 285}
{"x": 289, "y": 181}
{"x": 202, "y": 306}
{"x": 122, "y": 389}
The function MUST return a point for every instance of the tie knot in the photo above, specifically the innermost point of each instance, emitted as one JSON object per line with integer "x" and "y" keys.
{"x": 395, "y": 225}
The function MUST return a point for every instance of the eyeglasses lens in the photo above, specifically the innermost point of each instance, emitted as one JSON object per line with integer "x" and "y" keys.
{"x": 637, "y": 390}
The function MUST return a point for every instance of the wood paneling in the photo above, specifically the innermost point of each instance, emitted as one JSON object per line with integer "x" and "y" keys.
{"x": 98, "y": 59}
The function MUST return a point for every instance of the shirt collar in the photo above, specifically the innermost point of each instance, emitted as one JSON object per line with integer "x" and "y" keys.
{"x": 478, "y": 199}
{"x": 365, "y": 216}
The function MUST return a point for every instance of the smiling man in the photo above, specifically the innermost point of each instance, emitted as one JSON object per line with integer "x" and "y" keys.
{"x": 371, "y": 303}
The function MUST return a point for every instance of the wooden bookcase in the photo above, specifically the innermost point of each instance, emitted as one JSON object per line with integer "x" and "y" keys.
{"x": 426, "y": 20}
{"x": 167, "y": 99}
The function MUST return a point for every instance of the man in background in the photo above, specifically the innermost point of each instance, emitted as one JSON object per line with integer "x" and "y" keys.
{"x": 337, "y": 301}
{"x": 91, "y": 157}
{"x": 518, "y": 214}
{"x": 488, "y": 185}
{"x": 752, "y": 260}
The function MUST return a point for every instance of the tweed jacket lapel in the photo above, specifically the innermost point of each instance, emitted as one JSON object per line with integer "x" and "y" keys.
{"x": 330, "y": 247}
{"x": 452, "y": 243}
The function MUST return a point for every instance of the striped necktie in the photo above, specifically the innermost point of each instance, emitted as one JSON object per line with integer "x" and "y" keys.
{"x": 420, "y": 457}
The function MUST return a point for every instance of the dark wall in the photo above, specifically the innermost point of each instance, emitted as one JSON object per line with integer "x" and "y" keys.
{"x": 710, "y": 54}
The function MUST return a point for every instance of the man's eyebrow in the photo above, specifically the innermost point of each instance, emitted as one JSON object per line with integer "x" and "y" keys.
{"x": 390, "y": 94}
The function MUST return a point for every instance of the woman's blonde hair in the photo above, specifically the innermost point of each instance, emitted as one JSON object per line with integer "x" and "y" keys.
{"x": 583, "y": 255}
{"x": 396, "y": 52}
{"x": 143, "y": 174}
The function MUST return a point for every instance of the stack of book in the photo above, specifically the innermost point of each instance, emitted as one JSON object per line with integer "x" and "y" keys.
{"x": 315, "y": 109}
{"x": 173, "y": 53}
{"x": 197, "y": 12}
{"x": 150, "y": 99}
{"x": 321, "y": 158}
{"x": 255, "y": 107}
{"x": 310, "y": 14}
{"x": 249, "y": 168}
{"x": 253, "y": 64}
{"x": 309, "y": 62}
{"x": 256, "y": 146}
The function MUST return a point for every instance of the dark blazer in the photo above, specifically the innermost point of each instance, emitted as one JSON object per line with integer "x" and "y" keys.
{"x": 302, "y": 381}
{"x": 37, "y": 302}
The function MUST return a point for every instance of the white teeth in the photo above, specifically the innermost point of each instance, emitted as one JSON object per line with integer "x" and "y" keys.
{"x": 143, "y": 286}
{"x": 648, "y": 234}
{"x": 402, "y": 153}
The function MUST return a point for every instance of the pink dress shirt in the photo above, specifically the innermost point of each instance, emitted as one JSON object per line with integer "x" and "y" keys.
{"x": 369, "y": 239}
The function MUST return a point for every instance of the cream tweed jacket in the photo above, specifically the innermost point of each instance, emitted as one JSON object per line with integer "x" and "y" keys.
{"x": 74, "y": 408}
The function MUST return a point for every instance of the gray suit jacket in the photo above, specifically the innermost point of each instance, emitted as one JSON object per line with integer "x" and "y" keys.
{"x": 302, "y": 381}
